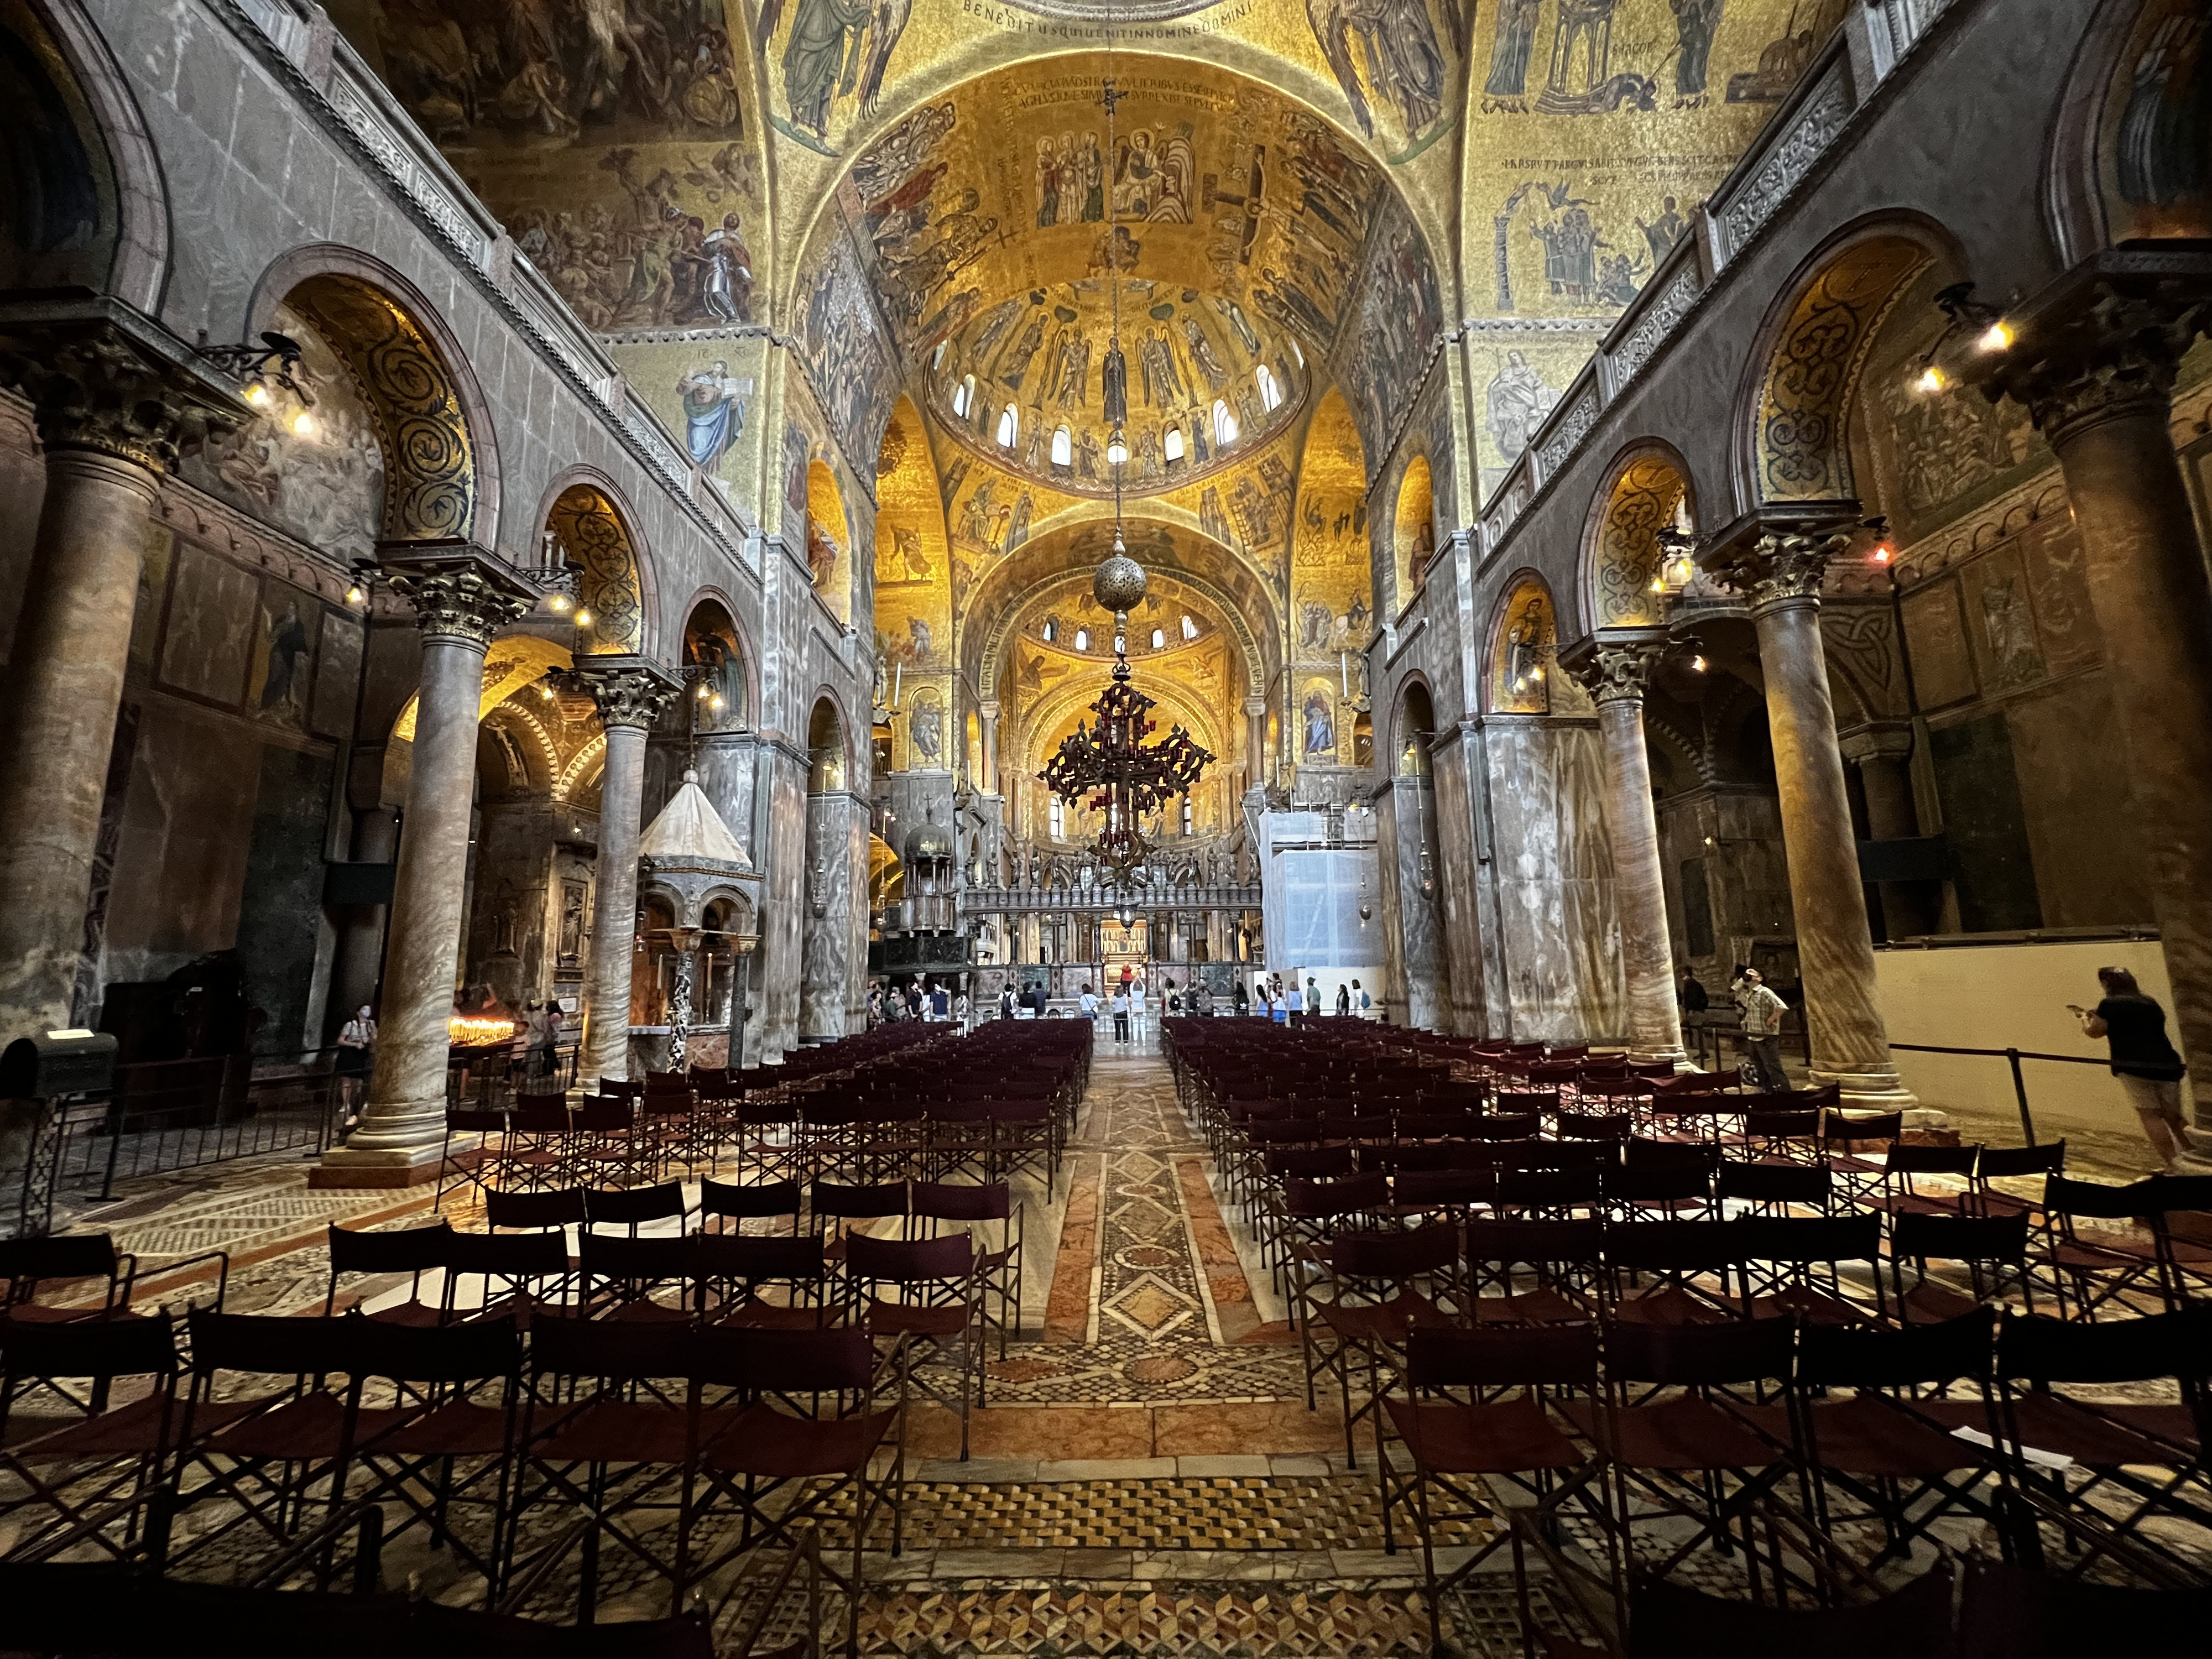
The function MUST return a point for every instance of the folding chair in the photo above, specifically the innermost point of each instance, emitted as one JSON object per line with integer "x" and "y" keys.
{"x": 769, "y": 1445}
{"x": 553, "y": 1209}
{"x": 1887, "y": 1444}
{"x": 834, "y": 1209}
{"x": 2013, "y": 1164}
{"x": 2118, "y": 1270}
{"x": 522, "y": 1271}
{"x": 1671, "y": 1621}
{"x": 2144, "y": 1460}
{"x": 490, "y": 1128}
{"x": 1384, "y": 1284}
{"x": 734, "y": 1269}
{"x": 1690, "y": 1264}
{"x": 2010, "y": 1613}
{"x": 85, "y": 1476}
{"x": 621, "y": 1275}
{"x": 1985, "y": 1245}
{"x": 1661, "y": 1178}
{"x": 734, "y": 1206}
{"x": 1772, "y": 1190}
{"x": 1670, "y": 1429}
{"x": 265, "y": 1452}
{"x": 933, "y": 1324}
{"x": 1310, "y": 1212}
{"x": 413, "y": 1251}
{"x": 1864, "y": 1179}
{"x": 632, "y": 1207}
{"x": 1567, "y": 1262}
{"x": 1000, "y": 1269}
{"x": 1907, "y": 1161}
{"x": 1452, "y": 1443}
{"x": 1792, "y": 1267}
{"x": 609, "y": 1450}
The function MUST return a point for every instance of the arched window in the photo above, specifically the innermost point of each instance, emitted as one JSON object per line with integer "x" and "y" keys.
{"x": 963, "y": 395}
{"x": 1187, "y": 816}
{"x": 1271, "y": 395}
{"x": 1063, "y": 447}
{"x": 1225, "y": 424}
{"x": 1058, "y": 818}
{"x": 1189, "y": 627}
{"x": 1051, "y": 629}
{"x": 1010, "y": 426}
{"x": 1172, "y": 446}
{"x": 1160, "y": 639}
{"x": 1082, "y": 638}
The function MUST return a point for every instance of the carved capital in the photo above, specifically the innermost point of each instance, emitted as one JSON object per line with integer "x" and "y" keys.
{"x": 629, "y": 690}
{"x": 1255, "y": 706}
{"x": 987, "y": 708}
{"x": 1780, "y": 566}
{"x": 95, "y": 386}
{"x": 1617, "y": 673}
{"x": 1873, "y": 743}
{"x": 458, "y": 591}
{"x": 2114, "y": 355}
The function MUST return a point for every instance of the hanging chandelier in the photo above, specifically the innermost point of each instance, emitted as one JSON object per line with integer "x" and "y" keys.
{"x": 1109, "y": 767}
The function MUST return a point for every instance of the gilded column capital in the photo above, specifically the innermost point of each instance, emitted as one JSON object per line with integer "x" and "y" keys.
{"x": 458, "y": 591}
{"x": 1255, "y": 707}
{"x": 987, "y": 708}
{"x": 131, "y": 394}
{"x": 2113, "y": 354}
{"x": 629, "y": 690}
{"x": 1780, "y": 566}
{"x": 1616, "y": 665}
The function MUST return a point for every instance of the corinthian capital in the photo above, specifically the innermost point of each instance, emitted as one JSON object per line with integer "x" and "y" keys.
{"x": 458, "y": 591}
{"x": 1615, "y": 665}
{"x": 1779, "y": 566}
{"x": 630, "y": 690}
{"x": 2104, "y": 339}
{"x": 100, "y": 379}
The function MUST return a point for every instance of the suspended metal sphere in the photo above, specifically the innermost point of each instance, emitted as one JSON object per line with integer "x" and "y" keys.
{"x": 1119, "y": 583}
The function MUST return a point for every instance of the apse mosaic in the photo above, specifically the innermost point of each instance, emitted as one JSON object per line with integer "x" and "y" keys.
{"x": 1027, "y": 382}
{"x": 1524, "y": 654}
{"x": 1332, "y": 574}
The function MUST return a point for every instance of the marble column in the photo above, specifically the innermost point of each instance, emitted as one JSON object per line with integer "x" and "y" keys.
{"x": 113, "y": 408}
{"x": 461, "y": 596}
{"x": 1780, "y": 572}
{"x": 2096, "y": 371}
{"x": 1255, "y": 743}
{"x": 986, "y": 714}
{"x": 631, "y": 693}
{"x": 1881, "y": 753}
{"x": 1615, "y": 668}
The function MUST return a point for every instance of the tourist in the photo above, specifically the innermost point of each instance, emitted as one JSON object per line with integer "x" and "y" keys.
{"x": 875, "y": 1004}
{"x": 1690, "y": 995}
{"x": 1170, "y": 1000}
{"x": 1121, "y": 1012}
{"x": 1344, "y": 1002}
{"x": 1038, "y": 999}
{"x": 356, "y": 1045}
{"x": 960, "y": 1010}
{"x": 940, "y": 1002}
{"x": 1201, "y": 999}
{"x": 1137, "y": 1010}
{"x": 1313, "y": 996}
{"x": 1005, "y": 1002}
{"x": 917, "y": 1001}
{"x": 1242, "y": 997}
{"x": 1089, "y": 1003}
{"x": 1762, "y": 1012}
{"x": 1361, "y": 1000}
{"x": 2143, "y": 1058}
{"x": 1294, "y": 1004}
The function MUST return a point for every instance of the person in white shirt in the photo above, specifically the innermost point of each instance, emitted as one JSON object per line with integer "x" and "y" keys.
{"x": 1294, "y": 1004}
{"x": 1137, "y": 1010}
{"x": 1120, "y": 1014}
{"x": 1089, "y": 1003}
{"x": 1762, "y": 1030}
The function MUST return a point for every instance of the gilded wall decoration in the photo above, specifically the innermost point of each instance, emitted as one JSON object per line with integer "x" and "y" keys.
{"x": 1398, "y": 57}
{"x": 711, "y": 647}
{"x": 591, "y": 533}
{"x": 430, "y": 460}
{"x": 281, "y": 677}
{"x": 612, "y": 140}
{"x": 1524, "y": 651}
{"x": 310, "y": 467}
{"x": 706, "y": 392}
{"x": 1627, "y": 556}
{"x": 1413, "y": 530}
{"x": 1332, "y": 574}
{"x": 854, "y": 370}
{"x": 1400, "y": 314}
{"x": 2153, "y": 136}
{"x": 913, "y": 574}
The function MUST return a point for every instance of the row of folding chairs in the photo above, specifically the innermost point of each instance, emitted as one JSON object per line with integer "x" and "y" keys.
{"x": 1822, "y": 1455}
{"x": 680, "y": 1447}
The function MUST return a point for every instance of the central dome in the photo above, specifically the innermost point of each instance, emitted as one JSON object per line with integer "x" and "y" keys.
{"x": 1023, "y": 382}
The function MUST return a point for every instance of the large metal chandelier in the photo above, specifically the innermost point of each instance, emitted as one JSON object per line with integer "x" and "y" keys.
{"x": 1121, "y": 775}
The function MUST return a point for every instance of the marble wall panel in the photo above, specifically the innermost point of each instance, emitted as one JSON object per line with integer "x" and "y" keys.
{"x": 776, "y": 969}
{"x": 1561, "y": 935}
{"x": 1392, "y": 995}
{"x": 209, "y": 642}
{"x": 2082, "y": 831}
{"x": 826, "y": 941}
{"x": 281, "y": 948}
{"x": 1458, "y": 880}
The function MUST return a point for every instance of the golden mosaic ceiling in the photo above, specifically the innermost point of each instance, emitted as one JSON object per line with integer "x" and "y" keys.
{"x": 1205, "y": 384}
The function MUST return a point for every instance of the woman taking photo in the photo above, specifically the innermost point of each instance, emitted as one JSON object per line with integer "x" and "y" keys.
{"x": 2144, "y": 1059}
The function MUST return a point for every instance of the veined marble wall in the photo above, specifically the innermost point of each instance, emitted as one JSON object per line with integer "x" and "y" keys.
{"x": 1559, "y": 934}
{"x": 826, "y": 942}
{"x": 1389, "y": 879}
{"x": 1460, "y": 881}
{"x": 1427, "y": 985}
{"x": 776, "y": 972}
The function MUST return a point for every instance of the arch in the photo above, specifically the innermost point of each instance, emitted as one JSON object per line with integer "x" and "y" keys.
{"x": 128, "y": 253}
{"x": 2108, "y": 179}
{"x": 1811, "y": 348}
{"x": 1412, "y": 721}
{"x": 1524, "y": 648}
{"x": 643, "y": 575}
{"x": 830, "y": 759}
{"x": 532, "y": 747}
{"x": 594, "y": 534}
{"x": 1413, "y": 530}
{"x": 713, "y": 644}
{"x": 513, "y": 662}
{"x": 1647, "y": 484}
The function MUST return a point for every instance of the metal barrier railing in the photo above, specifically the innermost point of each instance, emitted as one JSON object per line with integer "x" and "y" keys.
{"x": 2012, "y": 1057}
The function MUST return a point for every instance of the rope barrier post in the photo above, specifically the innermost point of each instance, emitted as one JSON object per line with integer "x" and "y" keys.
{"x": 2020, "y": 1093}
